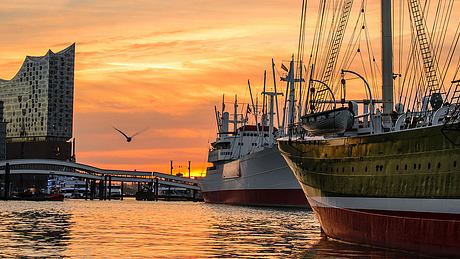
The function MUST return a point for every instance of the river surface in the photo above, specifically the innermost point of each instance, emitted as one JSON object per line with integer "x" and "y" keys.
{"x": 134, "y": 229}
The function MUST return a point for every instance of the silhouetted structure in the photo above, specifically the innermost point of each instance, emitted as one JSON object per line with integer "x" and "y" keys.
{"x": 38, "y": 106}
{"x": 2, "y": 134}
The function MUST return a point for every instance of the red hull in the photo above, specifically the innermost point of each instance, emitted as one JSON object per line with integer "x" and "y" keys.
{"x": 259, "y": 197}
{"x": 424, "y": 235}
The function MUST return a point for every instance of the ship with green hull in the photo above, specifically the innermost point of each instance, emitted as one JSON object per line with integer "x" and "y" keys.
{"x": 391, "y": 177}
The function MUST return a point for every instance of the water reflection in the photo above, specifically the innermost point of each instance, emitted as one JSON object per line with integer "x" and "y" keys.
{"x": 255, "y": 232}
{"x": 131, "y": 229}
{"x": 329, "y": 248}
{"x": 30, "y": 229}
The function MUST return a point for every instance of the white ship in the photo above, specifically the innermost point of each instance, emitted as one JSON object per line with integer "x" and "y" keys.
{"x": 72, "y": 187}
{"x": 247, "y": 166}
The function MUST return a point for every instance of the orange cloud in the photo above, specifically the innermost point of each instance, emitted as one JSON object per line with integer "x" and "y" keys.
{"x": 161, "y": 65}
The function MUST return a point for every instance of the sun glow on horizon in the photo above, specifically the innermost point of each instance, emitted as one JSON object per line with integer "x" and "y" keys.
{"x": 161, "y": 65}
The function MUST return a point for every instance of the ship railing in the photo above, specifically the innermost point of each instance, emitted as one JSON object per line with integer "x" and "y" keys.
{"x": 451, "y": 125}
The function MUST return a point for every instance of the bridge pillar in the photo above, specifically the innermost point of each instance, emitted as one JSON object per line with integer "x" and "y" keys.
{"x": 150, "y": 186}
{"x": 121, "y": 190}
{"x": 156, "y": 189}
{"x": 92, "y": 189}
{"x": 6, "y": 195}
{"x": 110, "y": 187}
{"x": 105, "y": 186}
{"x": 138, "y": 186}
{"x": 101, "y": 189}
{"x": 86, "y": 189}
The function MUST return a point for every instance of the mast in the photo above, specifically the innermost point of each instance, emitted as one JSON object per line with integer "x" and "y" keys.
{"x": 270, "y": 127}
{"x": 387, "y": 63}
{"x": 299, "y": 110}
{"x": 272, "y": 96}
{"x": 218, "y": 120}
{"x": 291, "y": 94}
{"x": 254, "y": 109}
{"x": 264, "y": 102}
{"x": 223, "y": 103}
{"x": 276, "y": 96}
{"x": 235, "y": 115}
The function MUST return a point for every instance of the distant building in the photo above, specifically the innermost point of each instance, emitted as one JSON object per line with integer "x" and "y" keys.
{"x": 38, "y": 106}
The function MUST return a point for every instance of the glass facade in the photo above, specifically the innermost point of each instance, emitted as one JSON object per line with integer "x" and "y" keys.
{"x": 38, "y": 100}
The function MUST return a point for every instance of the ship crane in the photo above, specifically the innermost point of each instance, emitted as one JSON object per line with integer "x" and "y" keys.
{"x": 290, "y": 96}
{"x": 429, "y": 61}
{"x": 272, "y": 96}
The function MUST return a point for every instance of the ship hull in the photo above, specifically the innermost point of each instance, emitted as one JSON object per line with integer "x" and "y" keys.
{"x": 259, "y": 179}
{"x": 423, "y": 232}
{"x": 398, "y": 190}
{"x": 258, "y": 197}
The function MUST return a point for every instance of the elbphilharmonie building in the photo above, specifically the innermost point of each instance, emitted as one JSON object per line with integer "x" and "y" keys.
{"x": 38, "y": 106}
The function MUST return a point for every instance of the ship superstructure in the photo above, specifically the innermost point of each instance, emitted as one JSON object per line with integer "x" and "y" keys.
{"x": 381, "y": 173}
{"x": 247, "y": 168}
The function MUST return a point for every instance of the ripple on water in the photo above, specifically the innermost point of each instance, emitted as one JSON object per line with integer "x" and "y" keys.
{"x": 77, "y": 228}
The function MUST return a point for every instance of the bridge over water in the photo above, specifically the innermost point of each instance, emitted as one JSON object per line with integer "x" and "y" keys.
{"x": 72, "y": 169}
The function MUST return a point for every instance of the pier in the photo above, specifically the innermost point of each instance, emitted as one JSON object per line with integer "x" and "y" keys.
{"x": 103, "y": 177}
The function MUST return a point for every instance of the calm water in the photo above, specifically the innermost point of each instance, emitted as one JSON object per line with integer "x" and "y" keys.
{"x": 109, "y": 229}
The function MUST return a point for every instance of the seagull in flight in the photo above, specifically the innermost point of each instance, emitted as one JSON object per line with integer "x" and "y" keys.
{"x": 129, "y": 138}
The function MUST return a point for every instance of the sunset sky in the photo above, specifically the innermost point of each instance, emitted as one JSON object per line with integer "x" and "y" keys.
{"x": 153, "y": 64}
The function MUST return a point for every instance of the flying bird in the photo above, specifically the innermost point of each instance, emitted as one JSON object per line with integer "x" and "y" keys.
{"x": 129, "y": 138}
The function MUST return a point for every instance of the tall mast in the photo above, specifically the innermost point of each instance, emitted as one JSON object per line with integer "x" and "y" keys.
{"x": 254, "y": 108}
{"x": 291, "y": 81}
{"x": 299, "y": 110}
{"x": 387, "y": 63}
{"x": 276, "y": 96}
{"x": 264, "y": 102}
{"x": 235, "y": 115}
